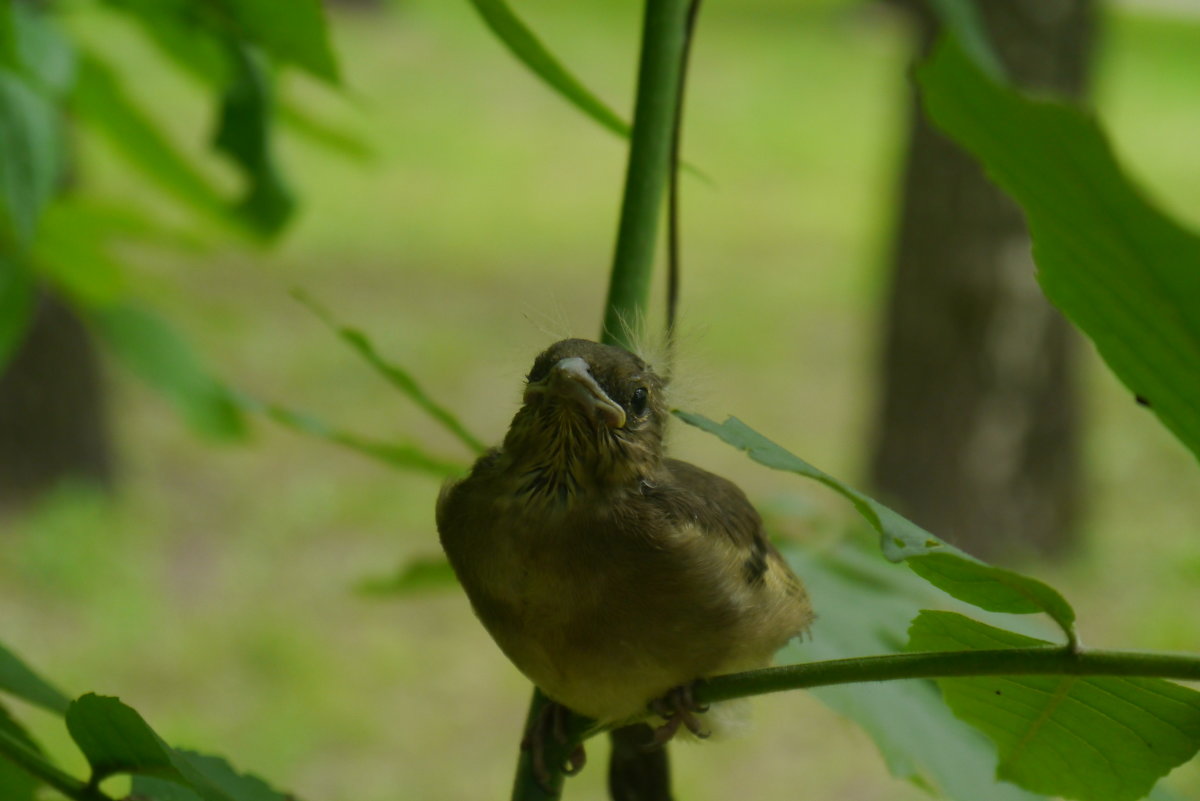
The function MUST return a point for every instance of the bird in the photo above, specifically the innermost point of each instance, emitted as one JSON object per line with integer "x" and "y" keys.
{"x": 613, "y": 576}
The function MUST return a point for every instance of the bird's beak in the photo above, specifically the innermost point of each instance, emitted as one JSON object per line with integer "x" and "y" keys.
{"x": 571, "y": 380}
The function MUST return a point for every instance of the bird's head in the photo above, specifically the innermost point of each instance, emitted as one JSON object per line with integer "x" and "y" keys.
{"x": 593, "y": 415}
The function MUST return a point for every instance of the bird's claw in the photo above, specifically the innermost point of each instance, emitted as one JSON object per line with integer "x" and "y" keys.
{"x": 677, "y": 708}
{"x": 575, "y": 761}
{"x": 551, "y": 723}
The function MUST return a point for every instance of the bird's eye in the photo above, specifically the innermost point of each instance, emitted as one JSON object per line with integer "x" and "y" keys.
{"x": 637, "y": 403}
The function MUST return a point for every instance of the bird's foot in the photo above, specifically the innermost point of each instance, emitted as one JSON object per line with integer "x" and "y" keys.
{"x": 678, "y": 708}
{"x": 551, "y": 724}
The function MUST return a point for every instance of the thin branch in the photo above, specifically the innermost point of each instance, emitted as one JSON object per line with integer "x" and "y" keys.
{"x": 1038, "y": 661}
{"x": 656, "y": 109}
{"x": 673, "y": 260}
{"x": 526, "y": 786}
{"x": 1049, "y": 660}
{"x": 635, "y": 769}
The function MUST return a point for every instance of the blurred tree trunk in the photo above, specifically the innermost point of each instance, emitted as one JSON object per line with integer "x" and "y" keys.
{"x": 977, "y": 435}
{"x": 51, "y": 408}
{"x": 52, "y": 401}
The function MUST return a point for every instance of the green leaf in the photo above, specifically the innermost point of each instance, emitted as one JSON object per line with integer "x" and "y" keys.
{"x": 1124, "y": 273}
{"x": 30, "y": 157}
{"x": 172, "y": 26}
{"x": 198, "y": 36}
{"x": 961, "y": 17}
{"x": 239, "y": 786}
{"x": 148, "y": 787}
{"x": 943, "y": 565}
{"x": 397, "y": 376}
{"x": 404, "y": 457}
{"x": 10, "y": 725}
{"x": 193, "y": 36}
{"x": 8, "y": 37}
{"x": 44, "y": 53}
{"x": 17, "y": 679}
{"x": 864, "y": 608}
{"x": 17, "y": 749}
{"x": 899, "y": 538}
{"x": 244, "y": 134}
{"x": 115, "y": 739}
{"x": 296, "y": 33}
{"x": 416, "y": 577}
{"x": 72, "y": 250}
{"x": 243, "y": 787}
{"x": 993, "y": 588}
{"x": 17, "y": 298}
{"x": 525, "y": 45}
{"x": 102, "y": 102}
{"x": 1091, "y": 738}
{"x": 16, "y": 784}
{"x": 157, "y": 354}
{"x": 325, "y": 133}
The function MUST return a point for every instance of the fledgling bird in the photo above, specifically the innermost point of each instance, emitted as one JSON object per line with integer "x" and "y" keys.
{"x": 612, "y": 576}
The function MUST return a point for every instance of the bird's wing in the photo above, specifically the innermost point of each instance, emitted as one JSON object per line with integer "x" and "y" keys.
{"x": 720, "y": 509}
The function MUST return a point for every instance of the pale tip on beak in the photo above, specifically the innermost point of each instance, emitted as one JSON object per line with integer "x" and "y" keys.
{"x": 571, "y": 379}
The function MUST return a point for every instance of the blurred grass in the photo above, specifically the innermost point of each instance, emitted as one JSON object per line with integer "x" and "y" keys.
{"x": 216, "y": 594}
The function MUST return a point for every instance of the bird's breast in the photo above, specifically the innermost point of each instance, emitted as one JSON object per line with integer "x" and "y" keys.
{"x": 608, "y": 601}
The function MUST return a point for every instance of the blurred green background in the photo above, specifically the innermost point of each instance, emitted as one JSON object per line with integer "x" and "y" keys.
{"x": 216, "y": 594}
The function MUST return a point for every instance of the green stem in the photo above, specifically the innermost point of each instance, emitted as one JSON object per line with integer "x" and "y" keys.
{"x": 397, "y": 376}
{"x": 33, "y": 763}
{"x": 1050, "y": 660}
{"x": 526, "y": 787}
{"x": 1039, "y": 661}
{"x": 663, "y": 38}
{"x": 673, "y": 265}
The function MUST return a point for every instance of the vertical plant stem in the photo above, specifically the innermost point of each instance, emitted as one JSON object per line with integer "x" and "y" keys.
{"x": 664, "y": 34}
{"x": 673, "y": 265}
{"x": 526, "y": 786}
{"x": 664, "y": 39}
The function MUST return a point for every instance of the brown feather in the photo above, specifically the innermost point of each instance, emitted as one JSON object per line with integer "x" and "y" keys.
{"x": 607, "y": 573}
